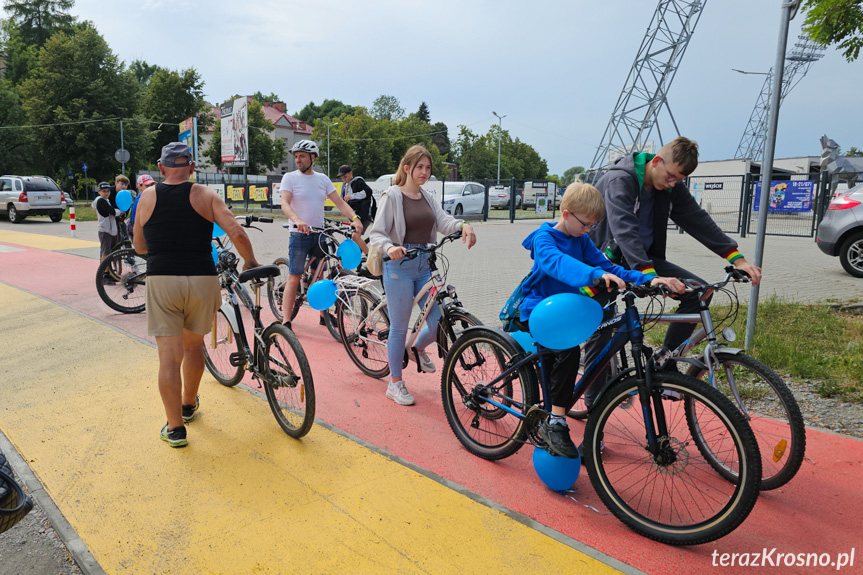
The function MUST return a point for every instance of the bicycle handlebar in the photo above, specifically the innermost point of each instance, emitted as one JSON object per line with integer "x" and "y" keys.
{"x": 414, "y": 252}
{"x": 249, "y": 219}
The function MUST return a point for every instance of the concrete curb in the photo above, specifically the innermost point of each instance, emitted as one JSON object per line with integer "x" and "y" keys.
{"x": 74, "y": 544}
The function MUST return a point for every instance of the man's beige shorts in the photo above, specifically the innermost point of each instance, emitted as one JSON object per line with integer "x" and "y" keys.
{"x": 175, "y": 303}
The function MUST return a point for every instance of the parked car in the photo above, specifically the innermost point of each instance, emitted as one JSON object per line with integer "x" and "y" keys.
{"x": 498, "y": 197}
{"x": 841, "y": 231}
{"x": 463, "y": 198}
{"x": 22, "y": 196}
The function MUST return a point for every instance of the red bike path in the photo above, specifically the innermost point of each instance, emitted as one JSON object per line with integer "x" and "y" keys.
{"x": 817, "y": 512}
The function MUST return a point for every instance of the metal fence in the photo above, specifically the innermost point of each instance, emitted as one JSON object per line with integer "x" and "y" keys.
{"x": 533, "y": 199}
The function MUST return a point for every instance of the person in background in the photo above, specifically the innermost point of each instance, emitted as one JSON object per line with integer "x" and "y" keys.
{"x": 144, "y": 182}
{"x": 409, "y": 217}
{"x": 357, "y": 193}
{"x": 107, "y": 229}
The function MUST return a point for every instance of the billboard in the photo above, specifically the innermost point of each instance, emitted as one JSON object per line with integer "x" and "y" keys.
{"x": 235, "y": 134}
{"x": 788, "y": 196}
{"x": 186, "y": 127}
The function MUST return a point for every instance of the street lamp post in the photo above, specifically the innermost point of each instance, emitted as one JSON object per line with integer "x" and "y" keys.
{"x": 499, "y": 136}
{"x": 328, "y": 146}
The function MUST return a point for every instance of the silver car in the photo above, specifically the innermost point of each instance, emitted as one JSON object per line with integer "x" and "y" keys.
{"x": 841, "y": 231}
{"x": 22, "y": 196}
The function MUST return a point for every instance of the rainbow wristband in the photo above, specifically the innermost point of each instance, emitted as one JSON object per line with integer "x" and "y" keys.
{"x": 648, "y": 270}
{"x": 588, "y": 291}
{"x": 733, "y": 255}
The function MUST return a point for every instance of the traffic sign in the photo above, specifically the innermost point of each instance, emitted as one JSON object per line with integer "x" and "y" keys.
{"x": 84, "y": 167}
{"x": 121, "y": 155}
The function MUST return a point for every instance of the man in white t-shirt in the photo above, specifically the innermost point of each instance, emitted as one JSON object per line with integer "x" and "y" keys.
{"x": 304, "y": 192}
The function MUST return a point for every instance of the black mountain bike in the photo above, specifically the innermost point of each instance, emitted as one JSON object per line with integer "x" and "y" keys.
{"x": 640, "y": 447}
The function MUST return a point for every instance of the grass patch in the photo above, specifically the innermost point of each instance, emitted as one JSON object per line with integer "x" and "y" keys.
{"x": 808, "y": 341}
{"x": 82, "y": 214}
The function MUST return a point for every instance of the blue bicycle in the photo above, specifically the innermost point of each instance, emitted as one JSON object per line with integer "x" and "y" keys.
{"x": 640, "y": 447}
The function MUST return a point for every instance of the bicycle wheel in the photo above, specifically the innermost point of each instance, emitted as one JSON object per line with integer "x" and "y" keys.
{"x": 460, "y": 320}
{"x": 485, "y": 429}
{"x": 276, "y": 286}
{"x": 219, "y": 344}
{"x": 288, "y": 382}
{"x": 676, "y": 496}
{"x": 128, "y": 272}
{"x": 772, "y": 412}
{"x": 364, "y": 330}
{"x": 331, "y": 319}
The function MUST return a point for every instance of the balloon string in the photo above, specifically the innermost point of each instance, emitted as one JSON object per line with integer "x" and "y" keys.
{"x": 592, "y": 508}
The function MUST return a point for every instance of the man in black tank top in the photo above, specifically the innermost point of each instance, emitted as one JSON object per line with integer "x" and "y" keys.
{"x": 174, "y": 227}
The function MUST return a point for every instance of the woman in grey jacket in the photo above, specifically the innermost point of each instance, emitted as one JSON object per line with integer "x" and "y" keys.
{"x": 409, "y": 217}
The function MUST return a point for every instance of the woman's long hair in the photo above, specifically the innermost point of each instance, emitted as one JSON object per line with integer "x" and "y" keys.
{"x": 412, "y": 157}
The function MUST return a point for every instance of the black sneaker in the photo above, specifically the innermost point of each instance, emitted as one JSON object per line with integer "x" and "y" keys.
{"x": 556, "y": 435}
{"x": 322, "y": 321}
{"x": 287, "y": 324}
{"x": 108, "y": 280}
{"x": 189, "y": 410}
{"x": 175, "y": 437}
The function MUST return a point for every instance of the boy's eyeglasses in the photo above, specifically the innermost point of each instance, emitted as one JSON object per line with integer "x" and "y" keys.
{"x": 670, "y": 178}
{"x": 590, "y": 227}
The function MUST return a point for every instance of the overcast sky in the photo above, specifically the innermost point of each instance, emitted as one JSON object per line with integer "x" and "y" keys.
{"x": 555, "y": 68}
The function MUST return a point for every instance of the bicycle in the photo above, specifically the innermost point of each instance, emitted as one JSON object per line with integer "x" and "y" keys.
{"x": 365, "y": 325}
{"x": 271, "y": 357}
{"x": 757, "y": 391}
{"x": 324, "y": 264}
{"x": 640, "y": 461}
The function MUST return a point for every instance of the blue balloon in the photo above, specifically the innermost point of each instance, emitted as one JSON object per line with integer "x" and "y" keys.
{"x": 322, "y": 294}
{"x": 217, "y": 231}
{"x": 558, "y": 473}
{"x": 215, "y": 254}
{"x": 124, "y": 200}
{"x": 524, "y": 339}
{"x": 564, "y": 320}
{"x": 350, "y": 254}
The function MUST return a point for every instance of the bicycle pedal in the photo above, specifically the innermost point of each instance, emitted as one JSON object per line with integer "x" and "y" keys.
{"x": 237, "y": 359}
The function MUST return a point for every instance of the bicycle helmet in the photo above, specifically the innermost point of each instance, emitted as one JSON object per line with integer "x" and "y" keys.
{"x": 305, "y": 146}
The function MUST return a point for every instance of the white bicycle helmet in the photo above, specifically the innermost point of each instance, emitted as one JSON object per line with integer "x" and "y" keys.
{"x": 306, "y": 146}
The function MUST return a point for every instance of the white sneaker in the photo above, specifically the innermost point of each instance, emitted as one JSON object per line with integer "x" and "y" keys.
{"x": 426, "y": 364}
{"x": 399, "y": 393}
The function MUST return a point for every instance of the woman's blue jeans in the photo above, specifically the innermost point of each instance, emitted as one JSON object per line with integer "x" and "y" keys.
{"x": 403, "y": 280}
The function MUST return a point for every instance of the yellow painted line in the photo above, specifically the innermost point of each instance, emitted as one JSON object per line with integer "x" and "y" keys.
{"x": 81, "y": 404}
{"x": 43, "y": 242}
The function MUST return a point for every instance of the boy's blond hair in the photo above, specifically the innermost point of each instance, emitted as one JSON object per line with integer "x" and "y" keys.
{"x": 122, "y": 178}
{"x": 583, "y": 199}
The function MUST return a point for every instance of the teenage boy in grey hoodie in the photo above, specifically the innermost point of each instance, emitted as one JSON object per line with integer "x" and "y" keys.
{"x": 642, "y": 191}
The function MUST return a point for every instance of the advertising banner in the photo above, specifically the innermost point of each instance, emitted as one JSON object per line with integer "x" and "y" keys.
{"x": 219, "y": 189}
{"x": 258, "y": 193}
{"x": 788, "y": 196}
{"x": 186, "y": 127}
{"x": 234, "y": 193}
{"x": 235, "y": 134}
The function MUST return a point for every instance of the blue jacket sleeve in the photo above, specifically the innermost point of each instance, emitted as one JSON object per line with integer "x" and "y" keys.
{"x": 594, "y": 257}
{"x": 562, "y": 267}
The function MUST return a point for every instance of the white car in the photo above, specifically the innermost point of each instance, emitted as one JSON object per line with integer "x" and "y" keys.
{"x": 22, "y": 196}
{"x": 463, "y": 198}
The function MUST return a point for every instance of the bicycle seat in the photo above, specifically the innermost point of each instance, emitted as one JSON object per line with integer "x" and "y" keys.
{"x": 260, "y": 273}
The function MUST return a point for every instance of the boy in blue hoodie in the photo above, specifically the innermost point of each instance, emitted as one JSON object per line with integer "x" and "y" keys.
{"x": 565, "y": 260}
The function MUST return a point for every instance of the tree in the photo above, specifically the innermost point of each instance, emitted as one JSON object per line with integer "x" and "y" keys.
{"x": 423, "y": 113}
{"x": 440, "y": 138}
{"x": 143, "y": 72}
{"x": 170, "y": 98}
{"x": 570, "y": 175}
{"x": 387, "y": 108}
{"x": 853, "y": 151}
{"x": 265, "y": 153}
{"x": 477, "y": 156}
{"x": 81, "y": 89}
{"x": 37, "y": 20}
{"x": 21, "y": 57}
{"x": 271, "y": 97}
{"x": 15, "y": 145}
{"x": 836, "y": 22}
{"x": 328, "y": 109}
